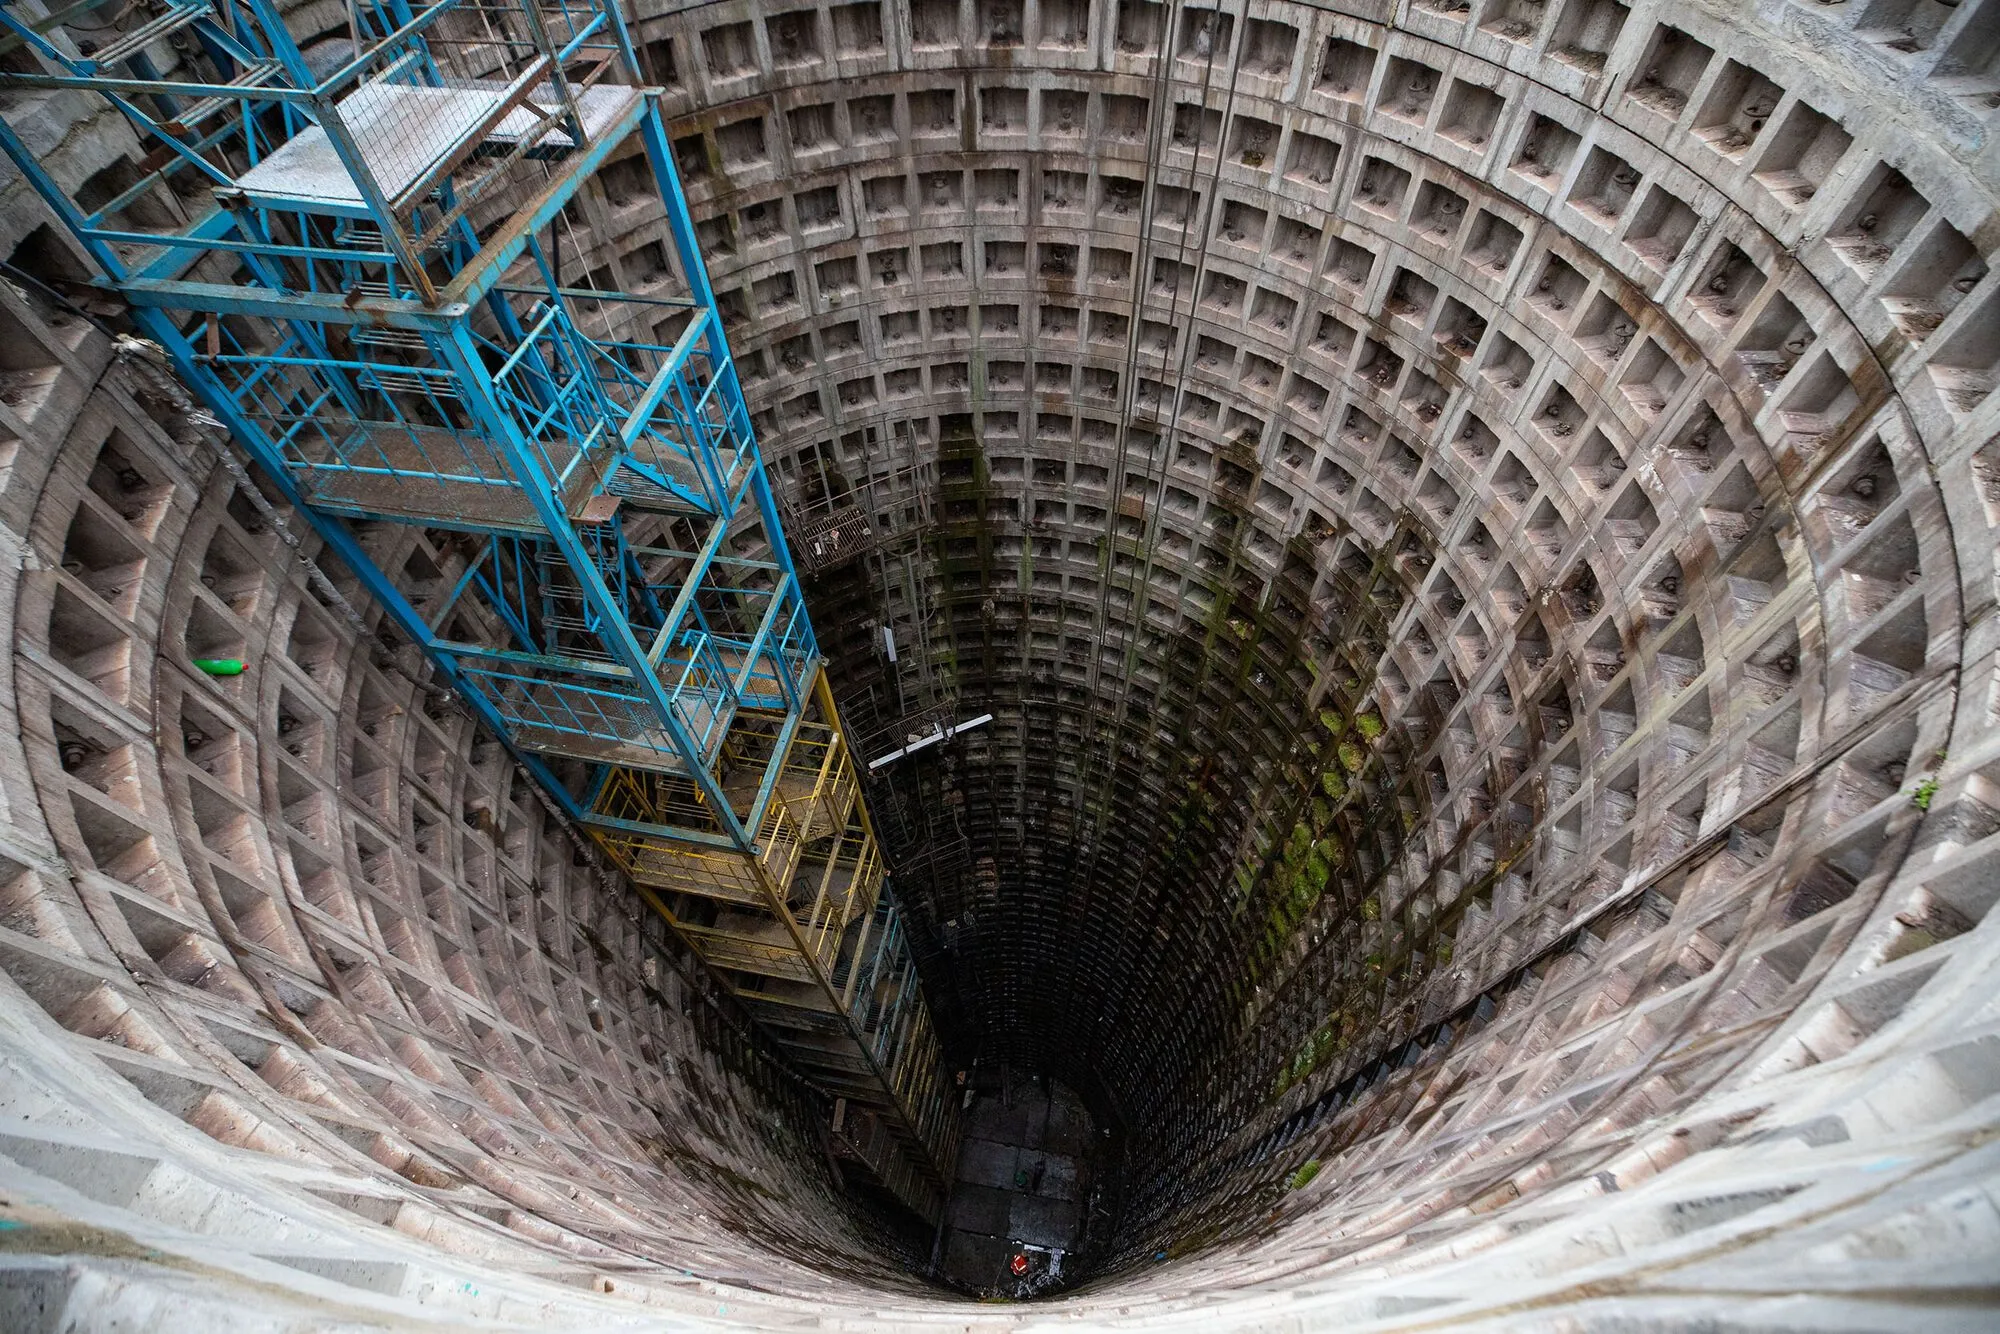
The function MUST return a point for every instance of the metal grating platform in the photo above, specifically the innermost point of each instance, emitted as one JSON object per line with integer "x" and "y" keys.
{"x": 406, "y": 133}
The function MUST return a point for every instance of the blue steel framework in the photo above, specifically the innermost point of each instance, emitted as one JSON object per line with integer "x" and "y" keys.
{"x": 341, "y": 249}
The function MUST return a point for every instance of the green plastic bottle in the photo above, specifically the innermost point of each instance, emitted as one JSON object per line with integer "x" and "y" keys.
{"x": 221, "y": 666}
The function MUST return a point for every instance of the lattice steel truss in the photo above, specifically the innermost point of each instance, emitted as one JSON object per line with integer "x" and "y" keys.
{"x": 341, "y": 248}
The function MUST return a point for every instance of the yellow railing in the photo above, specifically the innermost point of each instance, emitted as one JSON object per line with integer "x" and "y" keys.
{"x": 814, "y": 849}
{"x": 792, "y": 918}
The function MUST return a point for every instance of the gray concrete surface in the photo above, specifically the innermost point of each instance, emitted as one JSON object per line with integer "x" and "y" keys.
{"x": 1587, "y": 407}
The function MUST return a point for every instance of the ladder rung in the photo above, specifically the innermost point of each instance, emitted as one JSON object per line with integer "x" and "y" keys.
{"x": 393, "y": 381}
{"x": 251, "y": 79}
{"x": 132, "y": 43}
{"x": 388, "y": 337}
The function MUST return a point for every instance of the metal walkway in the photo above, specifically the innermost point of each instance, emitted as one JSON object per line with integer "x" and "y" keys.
{"x": 343, "y": 250}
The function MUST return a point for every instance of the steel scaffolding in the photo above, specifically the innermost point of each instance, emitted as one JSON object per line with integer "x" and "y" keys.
{"x": 341, "y": 245}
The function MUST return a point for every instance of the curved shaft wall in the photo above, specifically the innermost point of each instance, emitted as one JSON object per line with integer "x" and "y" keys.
{"x": 1416, "y": 490}
{"x": 1475, "y": 525}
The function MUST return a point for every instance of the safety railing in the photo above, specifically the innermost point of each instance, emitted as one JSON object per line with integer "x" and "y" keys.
{"x": 703, "y": 695}
{"x": 571, "y": 716}
{"x": 427, "y": 117}
{"x": 385, "y": 435}
{"x": 685, "y": 410}
{"x": 660, "y": 824}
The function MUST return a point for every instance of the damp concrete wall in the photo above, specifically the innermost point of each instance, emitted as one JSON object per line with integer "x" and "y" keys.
{"x": 1476, "y": 528}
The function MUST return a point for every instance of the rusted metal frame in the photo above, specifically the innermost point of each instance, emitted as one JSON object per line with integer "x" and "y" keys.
{"x": 852, "y": 990}
{"x": 691, "y": 584}
{"x": 377, "y": 204}
{"x": 538, "y": 34}
{"x": 510, "y": 97}
{"x": 786, "y": 582}
{"x": 482, "y": 273}
{"x": 593, "y": 294}
{"x": 775, "y": 905}
{"x": 147, "y": 126}
{"x": 679, "y": 833}
{"x": 620, "y": 638}
{"x": 664, "y": 378}
{"x": 273, "y": 304}
{"x": 787, "y": 736}
{"x": 363, "y": 64}
{"x": 459, "y": 204}
{"x": 583, "y": 35}
{"x": 42, "y": 27}
{"x": 836, "y": 919}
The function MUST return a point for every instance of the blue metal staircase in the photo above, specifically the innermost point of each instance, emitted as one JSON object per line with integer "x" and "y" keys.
{"x": 349, "y": 252}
